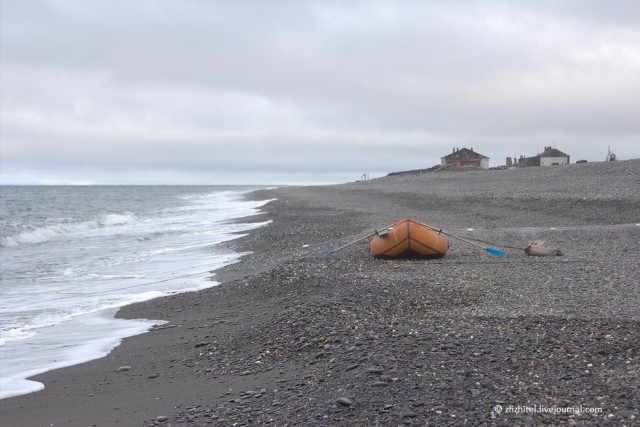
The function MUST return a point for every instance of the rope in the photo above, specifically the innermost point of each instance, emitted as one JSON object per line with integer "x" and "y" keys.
{"x": 495, "y": 244}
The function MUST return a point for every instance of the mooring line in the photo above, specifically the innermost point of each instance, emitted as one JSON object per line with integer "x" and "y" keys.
{"x": 495, "y": 244}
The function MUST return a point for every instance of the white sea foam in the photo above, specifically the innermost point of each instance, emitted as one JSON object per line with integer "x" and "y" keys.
{"x": 15, "y": 334}
{"x": 38, "y": 235}
{"x": 57, "y": 279}
{"x": 46, "y": 233}
{"x": 114, "y": 219}
{"x": 64, "y": 347}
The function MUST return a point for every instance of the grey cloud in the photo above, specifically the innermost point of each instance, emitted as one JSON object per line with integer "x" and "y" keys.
{"x": 318, "y": 86}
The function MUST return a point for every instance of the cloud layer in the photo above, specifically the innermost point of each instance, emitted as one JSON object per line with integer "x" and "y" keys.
{"x": 307, "y": 91}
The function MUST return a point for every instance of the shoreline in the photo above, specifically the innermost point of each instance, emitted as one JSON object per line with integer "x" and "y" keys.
{"x": 295, "y": 337}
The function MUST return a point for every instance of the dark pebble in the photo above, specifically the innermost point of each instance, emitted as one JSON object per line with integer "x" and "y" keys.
{"x": 344, "y": 401}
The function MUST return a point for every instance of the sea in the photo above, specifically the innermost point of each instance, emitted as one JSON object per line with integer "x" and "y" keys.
{"x": 71, "y": 256}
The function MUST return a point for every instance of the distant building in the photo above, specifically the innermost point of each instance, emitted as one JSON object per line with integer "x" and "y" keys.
{"x": 549, "y": 157}
{"x": 461, "y": 158}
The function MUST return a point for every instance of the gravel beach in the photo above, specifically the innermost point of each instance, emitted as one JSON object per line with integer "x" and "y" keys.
{"x": 293, "y": 337}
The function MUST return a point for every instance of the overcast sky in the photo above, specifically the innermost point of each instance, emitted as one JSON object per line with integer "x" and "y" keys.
{"x": 275, "y": 92}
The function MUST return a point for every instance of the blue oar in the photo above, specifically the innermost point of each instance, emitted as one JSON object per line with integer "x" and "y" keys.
{"x": 492, "y": 251}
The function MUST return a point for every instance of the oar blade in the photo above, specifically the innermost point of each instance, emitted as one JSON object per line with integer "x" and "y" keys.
{"x": 495, "y": 252}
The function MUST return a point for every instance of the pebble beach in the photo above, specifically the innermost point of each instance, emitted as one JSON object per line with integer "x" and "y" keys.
{"x": 294, "y": 337}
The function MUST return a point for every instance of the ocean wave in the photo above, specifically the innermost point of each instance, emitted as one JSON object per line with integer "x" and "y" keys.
{"x": 15, "y": 334}
{"x": 30, "y": 327}
{"x": 46, "y": 233}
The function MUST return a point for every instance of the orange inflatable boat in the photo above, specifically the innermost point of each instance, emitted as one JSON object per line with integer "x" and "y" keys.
{"x": 408, "y": 238}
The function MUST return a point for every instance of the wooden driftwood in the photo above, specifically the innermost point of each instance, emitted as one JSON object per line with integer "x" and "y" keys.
{"x": 537, "y": 248}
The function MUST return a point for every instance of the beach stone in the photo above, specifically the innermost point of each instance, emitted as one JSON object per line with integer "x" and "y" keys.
{"x": 123, "y": 368}
{"x": 162, "y": 419}
{"x": 344, "y": 401}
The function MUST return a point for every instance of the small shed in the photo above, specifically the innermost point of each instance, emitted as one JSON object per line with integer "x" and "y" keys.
{"x": 465, "y": 157}
{"x": 549, "y": 157}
